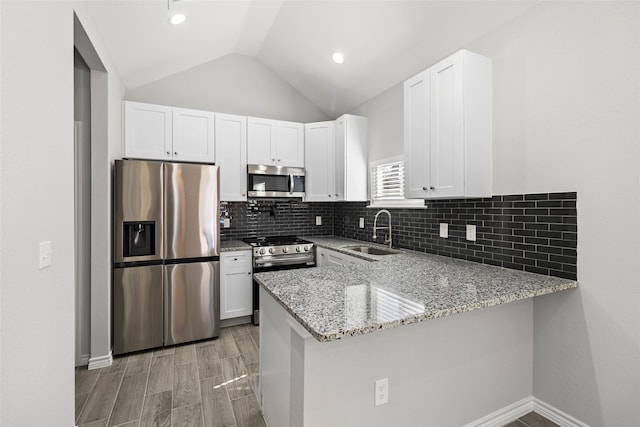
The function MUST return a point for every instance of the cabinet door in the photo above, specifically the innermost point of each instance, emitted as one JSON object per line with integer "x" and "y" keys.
{"x": 261, "y": 137}
{"x": 447, "y": 128}
{"x": 355, "y": 171}
{"x": 417, "y": 152}
{"x": 340, "y": 158}
{"x": 319, "y": 161}
{"x": 231, "y": 156}
{"x": 193, "y": 132}
{"x": 147, "y": 131}
{"x": 290, "y": 144}
{"x": 236, "y": 285}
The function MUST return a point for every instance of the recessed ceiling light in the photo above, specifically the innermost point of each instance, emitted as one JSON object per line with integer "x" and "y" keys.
{"x": 338, "y": 57}
{"x": 178, "y": 18}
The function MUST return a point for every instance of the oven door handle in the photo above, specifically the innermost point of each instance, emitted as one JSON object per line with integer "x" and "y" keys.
{"x": 287, "y": 259}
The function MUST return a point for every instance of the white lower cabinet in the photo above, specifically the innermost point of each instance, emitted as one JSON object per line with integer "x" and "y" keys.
{"x": 236, "y": 284}
{"x": 327, "y": 257}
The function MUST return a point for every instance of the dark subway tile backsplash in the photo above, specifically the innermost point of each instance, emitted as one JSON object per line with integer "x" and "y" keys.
{"x": 529, "y": 232}
{"x": 276, "y": 218}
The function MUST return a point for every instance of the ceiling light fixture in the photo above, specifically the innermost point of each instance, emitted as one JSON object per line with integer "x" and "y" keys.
{"x": 177, "y": 18}
{"x": 337, "y": 57}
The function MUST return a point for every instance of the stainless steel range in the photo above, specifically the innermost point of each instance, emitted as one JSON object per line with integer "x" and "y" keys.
{"x": 278, "y": 253}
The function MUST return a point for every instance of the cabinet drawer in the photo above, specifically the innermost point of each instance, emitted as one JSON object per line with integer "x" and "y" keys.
{"x": 236, "y": 258}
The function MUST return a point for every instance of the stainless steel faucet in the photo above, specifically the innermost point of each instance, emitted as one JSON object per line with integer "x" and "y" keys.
{"x": 387, "y": 239}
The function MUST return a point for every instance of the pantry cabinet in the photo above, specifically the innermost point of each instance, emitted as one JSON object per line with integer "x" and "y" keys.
{"x": 231, "y": 156}
{"x": 447, "y": 129}
{"x": 336, "y": 160}
{"x": 158, "y": 132}
{"x": 236, "y": 284}
{"x": 275, "y": 142}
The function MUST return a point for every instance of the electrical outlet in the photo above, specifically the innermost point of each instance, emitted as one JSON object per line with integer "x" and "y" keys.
{"x": 226, "y": 223}
{"x": 471, "y": 232}
{"x": 361, "y": 222}
{"x": 46, "y": 252}
{"x": 381, "y": 395}
{"x": 318, "y": 220}
{"x": 444, "y": 230}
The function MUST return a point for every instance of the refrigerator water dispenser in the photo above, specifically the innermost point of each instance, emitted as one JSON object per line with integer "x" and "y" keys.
{"x": 139, "y": 238}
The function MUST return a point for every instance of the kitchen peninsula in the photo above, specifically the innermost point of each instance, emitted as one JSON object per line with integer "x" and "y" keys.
{"x": 329, "y": 333}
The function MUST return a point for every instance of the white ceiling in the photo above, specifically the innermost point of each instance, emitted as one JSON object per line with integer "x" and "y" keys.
{"x": 384, "y": 42}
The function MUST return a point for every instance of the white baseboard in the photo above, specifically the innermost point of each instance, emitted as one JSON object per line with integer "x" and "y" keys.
{"x": 505, "y": 415}
{"x": 100, "y": 361}
{"x": 522, "y": 407}
{"x": 556, "y": 415}
{"x": 84, "y": 360}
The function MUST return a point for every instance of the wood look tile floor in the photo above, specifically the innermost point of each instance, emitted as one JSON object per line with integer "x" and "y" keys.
{"x": 210, "y": 383}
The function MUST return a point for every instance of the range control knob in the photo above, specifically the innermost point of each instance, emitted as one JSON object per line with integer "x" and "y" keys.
{"x": 306, "y": 248}
{"x": 285, "y": 250}
{"x": 262, "y": 251}
{"x": 298, "y": 249}
{"x": 271, "y": 250}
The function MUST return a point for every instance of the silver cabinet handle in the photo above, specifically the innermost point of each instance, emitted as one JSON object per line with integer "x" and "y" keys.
{"x": 248, "y": 272}
{"x": 168, "y": 153}
{"x": 329, "y": 195}
{"x": 425, "y": 188}
{"x": 243, "y": 194}
{"x": 175, "y": 153}
{"x": 273, "y": 160}
{"x": 278, "y": 160}
{"x": 432, "y": 188}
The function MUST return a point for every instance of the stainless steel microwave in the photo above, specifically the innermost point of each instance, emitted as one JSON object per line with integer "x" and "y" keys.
{"x": 275, "y": 181}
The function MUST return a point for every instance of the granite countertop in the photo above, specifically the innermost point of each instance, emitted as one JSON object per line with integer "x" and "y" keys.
{"x": 234, "y": 245}
{"x": 394, "y": 290}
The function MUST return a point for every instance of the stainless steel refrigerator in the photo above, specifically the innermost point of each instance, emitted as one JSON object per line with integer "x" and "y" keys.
{"x": 166, "y": 262}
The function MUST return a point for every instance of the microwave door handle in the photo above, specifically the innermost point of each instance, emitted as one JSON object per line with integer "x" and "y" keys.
{"x": 290, "y": 183}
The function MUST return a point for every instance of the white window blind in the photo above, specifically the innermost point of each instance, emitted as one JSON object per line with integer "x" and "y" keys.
{"x": 387, "y": 181}
{"x": 387, "y": 184}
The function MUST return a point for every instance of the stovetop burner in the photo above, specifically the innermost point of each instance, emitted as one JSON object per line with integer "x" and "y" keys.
{"x": 274, "y": 241}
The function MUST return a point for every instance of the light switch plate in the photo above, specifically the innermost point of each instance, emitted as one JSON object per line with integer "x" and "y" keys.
{"x": 318, "y": 220}
{"x": 45, "y": 254}
{"x": 444, "y": 230}
{"x": 226, "y": 222}
{"x": 471, "y": 232}
{"x": 361, "y": 222}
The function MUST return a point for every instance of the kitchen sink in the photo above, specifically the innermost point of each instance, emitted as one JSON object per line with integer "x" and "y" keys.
{"x": 371, "y": 250}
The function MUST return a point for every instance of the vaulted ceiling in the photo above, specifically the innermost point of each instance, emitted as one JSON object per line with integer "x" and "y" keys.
{"x": 383, "y": 42}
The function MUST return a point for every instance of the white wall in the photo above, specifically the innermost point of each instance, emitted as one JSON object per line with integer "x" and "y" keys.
{"x": 233, "y": 84}
{"x": 37, "y": 310}
{"x": 566, "y": 109}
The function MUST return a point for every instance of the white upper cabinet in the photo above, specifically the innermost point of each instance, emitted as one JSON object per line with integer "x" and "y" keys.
{"x": 231, "y": 156}
{"x": 319, "y": 140}
{"x": 147, "y": 131}
{"x": 275, "y": 142}
{"x": 158, "y": 132}
{"x": 447, "y": 129}
{"x": 351, "y": 159}
{"x": 336, "y": 160}
{"x": 193, "y": 133}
